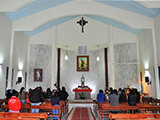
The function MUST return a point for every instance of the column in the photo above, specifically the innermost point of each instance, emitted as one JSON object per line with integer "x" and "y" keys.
{"x": 155, "y": 64}
{"x": 111, "y": 58}
{"x": 138, "y": 66}
{"x": 54, "y": 58}
{"x": 28, "y": 58}
{"x": 11, "y": 58}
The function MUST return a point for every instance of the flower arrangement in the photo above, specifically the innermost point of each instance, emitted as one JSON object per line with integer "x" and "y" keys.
{"x": 82, "y": 96}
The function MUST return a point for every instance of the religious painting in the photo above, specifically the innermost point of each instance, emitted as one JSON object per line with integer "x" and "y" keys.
{"x": 38, "y": 75}
{"x": 83, "y": 63}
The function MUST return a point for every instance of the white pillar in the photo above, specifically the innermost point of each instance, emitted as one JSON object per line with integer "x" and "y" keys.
{"x": 11, "y": 59}
{"x": 138, "y": 66}
{"x": 111, "y": 58}
{"x": 155, "y": 64}
{"x": 28, "y": 59}
{"x": 54, "y": 58}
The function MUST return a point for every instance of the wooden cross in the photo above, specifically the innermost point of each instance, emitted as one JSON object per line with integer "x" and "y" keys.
{"x": 82, "y": 23}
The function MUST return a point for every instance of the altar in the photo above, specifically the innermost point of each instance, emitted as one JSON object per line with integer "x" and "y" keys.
{"x": 82, "y": 92}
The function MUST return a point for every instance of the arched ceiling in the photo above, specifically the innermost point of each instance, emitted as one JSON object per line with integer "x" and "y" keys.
{"x": 35, "y": 16}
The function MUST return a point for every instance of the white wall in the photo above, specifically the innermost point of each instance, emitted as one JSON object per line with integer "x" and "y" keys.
{"x": 40, "y": 58}
{"x": 147, "y": 60}
{"x": 5, "y": 39}
{"x": 71, "y": 78}
{"x": 20, "y": 54}
{"x": 126, "y": 67}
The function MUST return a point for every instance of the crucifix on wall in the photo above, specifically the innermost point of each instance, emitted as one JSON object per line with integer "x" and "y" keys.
{"x": 82, "y": 23}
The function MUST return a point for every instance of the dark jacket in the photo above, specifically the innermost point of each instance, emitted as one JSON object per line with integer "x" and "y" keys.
{"x": 101, "y": 97}
{"x": 48, "y": 95}
{"x": 132, "y": 99}
{"x": 122, "y": 98}
{"x": 63, "y": 95}
{"x": 36, "y": 96}
{"x": 55, "y": 100}
{"x": 138, "y": 96}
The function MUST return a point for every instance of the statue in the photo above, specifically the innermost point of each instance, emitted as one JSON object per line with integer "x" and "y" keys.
{"x": 82, "y": 81}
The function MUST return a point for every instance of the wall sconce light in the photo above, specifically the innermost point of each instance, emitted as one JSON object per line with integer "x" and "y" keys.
{"x": 0, "y": 65}
{"x": 98, "y": 58}
{"x": 66, "y": 56}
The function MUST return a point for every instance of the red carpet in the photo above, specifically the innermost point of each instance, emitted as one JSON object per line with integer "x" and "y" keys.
{"x": 81, "y": 114}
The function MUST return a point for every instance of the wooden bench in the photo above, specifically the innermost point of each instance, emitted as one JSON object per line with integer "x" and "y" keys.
{"x": 46, "y": 108}
{"x": 28, "y": 115}
{"x": 103, "y": 109}
{"x": 11, "y": 118}
{"x": 49, "y": 109}
{"x": 130, "y": 116}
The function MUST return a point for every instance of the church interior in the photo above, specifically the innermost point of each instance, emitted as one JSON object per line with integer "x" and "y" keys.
{"x": 80, "y": 44}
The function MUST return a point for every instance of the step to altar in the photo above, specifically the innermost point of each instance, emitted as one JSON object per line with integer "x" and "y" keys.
{"x": 80, "y": 103}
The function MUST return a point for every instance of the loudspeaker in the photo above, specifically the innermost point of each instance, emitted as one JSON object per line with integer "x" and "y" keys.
{"x": 146, "y": 79}
{"x": 7, "y": 70}
{"x": 19, "y": 80}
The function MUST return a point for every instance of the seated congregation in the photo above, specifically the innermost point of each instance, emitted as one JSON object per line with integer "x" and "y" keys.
{"x": 52, "y": 103}
{"x": 122, "y": 104}
{"x": 125, "y": 103}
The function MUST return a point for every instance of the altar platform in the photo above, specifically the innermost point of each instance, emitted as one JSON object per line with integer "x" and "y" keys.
{"x": 80, "y": 103}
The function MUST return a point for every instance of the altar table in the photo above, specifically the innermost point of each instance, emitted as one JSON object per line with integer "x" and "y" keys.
{"x": 87, "y": 93}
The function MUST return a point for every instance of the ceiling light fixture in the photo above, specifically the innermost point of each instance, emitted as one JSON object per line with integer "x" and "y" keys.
{"x": 98, "y": 58}
{"x": 66, "y": 56}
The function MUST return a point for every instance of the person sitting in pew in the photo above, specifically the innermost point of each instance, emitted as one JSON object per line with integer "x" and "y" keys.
{"x": 36, "y": 97}
{"x": 14, "y": 103}
{"x": 113, "y": 99}
{"x": 48, "y": 94}
{"x": 132, "y": 99}
{"x": 100, "y": 96}
{"x": 55, "y": 102}
{"x": 122, "y": 97}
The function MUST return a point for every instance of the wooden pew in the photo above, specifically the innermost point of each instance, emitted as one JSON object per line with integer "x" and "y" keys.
{"x": 4, "y": 108}
{"x": 130, "y": 116}
{"x": 49, "y": 110}
{"x": 28, "y": 115}
{"x": 63, "y": 108}
{"x": 10, "y": 118}
{"x": 104, "y": 108}
{"x": 157, "y": 115}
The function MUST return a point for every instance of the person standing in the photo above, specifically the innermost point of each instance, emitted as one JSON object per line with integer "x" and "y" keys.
{"x": 22, "y": 95}
{"x": 35, "y": 98}
{"x": 113, "y": 99}
{"x": 63, "y": 94}
{"x": 55, "y": 102}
